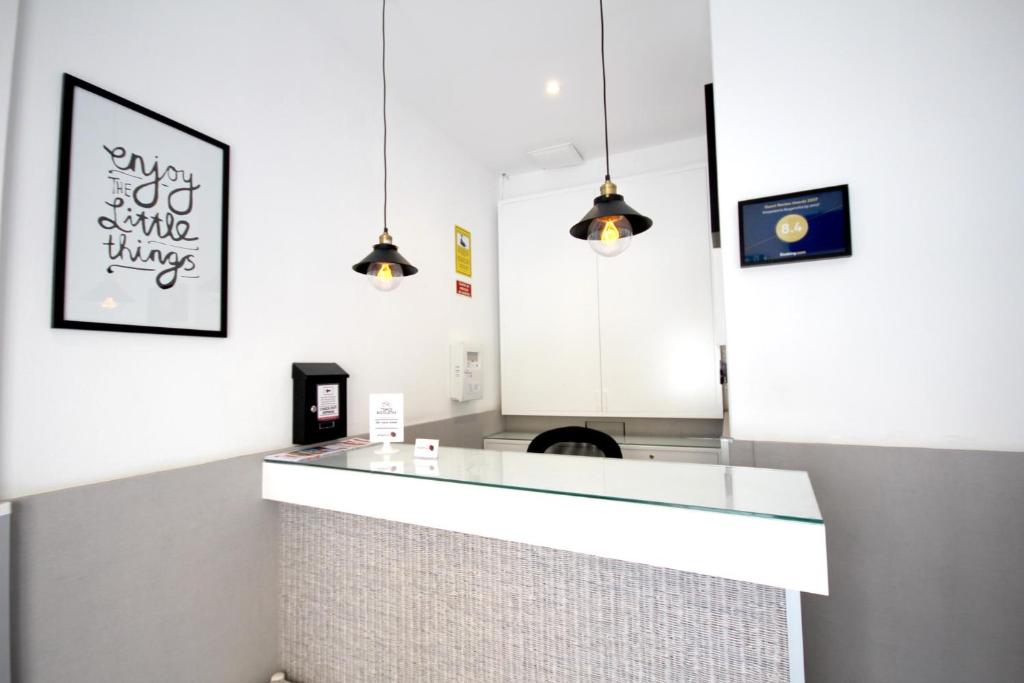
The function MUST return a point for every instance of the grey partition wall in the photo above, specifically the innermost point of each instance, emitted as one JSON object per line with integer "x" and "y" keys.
{"x": 5, "y": 593}
{"x": 161, "y": 578}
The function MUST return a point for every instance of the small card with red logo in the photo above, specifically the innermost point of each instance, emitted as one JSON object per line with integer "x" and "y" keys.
{"x": 427, "y": 448}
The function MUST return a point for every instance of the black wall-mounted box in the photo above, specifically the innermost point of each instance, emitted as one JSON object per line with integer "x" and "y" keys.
{"x": 319, "y": 406}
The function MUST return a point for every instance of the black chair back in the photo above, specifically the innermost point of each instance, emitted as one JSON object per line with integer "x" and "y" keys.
{"x": 599, "y": 440}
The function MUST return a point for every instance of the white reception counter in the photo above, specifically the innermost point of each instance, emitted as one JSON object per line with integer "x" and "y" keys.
{"x": 747, "y": 524}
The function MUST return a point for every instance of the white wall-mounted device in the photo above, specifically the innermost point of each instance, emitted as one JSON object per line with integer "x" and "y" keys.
{"x": 466, "y": 380}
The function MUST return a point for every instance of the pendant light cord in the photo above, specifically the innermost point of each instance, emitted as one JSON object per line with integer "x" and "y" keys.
{"x": 384, "y": 75}
{"x": 604, "y": 85}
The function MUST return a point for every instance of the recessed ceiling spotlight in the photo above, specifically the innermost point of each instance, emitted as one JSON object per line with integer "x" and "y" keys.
{"x": 552, "y": 87}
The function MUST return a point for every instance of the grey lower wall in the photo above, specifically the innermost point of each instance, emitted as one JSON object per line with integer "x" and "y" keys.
{"x": 168, "y": 577}
{"x": 465, "y": 431}
{"x": 5, "y": 604}
{"x": 926, "y": 563}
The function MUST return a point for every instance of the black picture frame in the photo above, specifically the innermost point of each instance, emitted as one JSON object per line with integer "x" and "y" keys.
{"x": 173, "y": 240}
{"x": 844, "y": 249}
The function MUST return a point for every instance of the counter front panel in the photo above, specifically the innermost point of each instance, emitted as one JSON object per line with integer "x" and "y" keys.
{"x": 739, "y": 523}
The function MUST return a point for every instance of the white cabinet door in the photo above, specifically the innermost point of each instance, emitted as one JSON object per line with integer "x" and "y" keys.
{"x": 506, "y": 445}
{"x": 658, "y": 351}
{"x": 550, "y": 363}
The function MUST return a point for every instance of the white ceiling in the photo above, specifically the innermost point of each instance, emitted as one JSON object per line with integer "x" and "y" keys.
{"x": 477, "y": 70}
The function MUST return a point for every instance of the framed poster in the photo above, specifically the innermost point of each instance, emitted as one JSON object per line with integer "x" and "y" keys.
{"x": 142, "y": 220}
{"x": 799, "y": 226}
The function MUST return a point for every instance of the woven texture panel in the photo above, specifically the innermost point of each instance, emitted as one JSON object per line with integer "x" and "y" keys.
{"x": 370, "y": 600}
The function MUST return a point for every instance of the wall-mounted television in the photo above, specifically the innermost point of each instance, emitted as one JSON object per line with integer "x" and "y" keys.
{"x": 798, "y": 226}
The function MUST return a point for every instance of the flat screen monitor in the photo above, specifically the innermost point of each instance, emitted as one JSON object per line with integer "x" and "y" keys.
{"x": 798, "y": 226}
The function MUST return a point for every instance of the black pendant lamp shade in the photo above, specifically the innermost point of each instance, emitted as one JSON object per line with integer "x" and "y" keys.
{"x": 612, "y": 223}
{"x": 384, "y": 266}
{"x": 385, "y": 252}
{"x": 611, "y": 205}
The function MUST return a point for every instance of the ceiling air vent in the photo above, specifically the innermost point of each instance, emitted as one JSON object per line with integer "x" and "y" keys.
{"x": 557, "y": 156}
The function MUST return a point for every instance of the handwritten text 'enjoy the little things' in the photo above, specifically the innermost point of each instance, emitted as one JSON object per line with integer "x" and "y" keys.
{"x": 145, "y": 220}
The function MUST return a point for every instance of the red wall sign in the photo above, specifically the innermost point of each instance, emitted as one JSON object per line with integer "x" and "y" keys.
{"x": 463, "y": 288}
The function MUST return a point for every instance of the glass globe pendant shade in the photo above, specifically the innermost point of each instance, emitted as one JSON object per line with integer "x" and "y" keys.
{"x": 384, "y": 276}
{"x": 610, "y": 235}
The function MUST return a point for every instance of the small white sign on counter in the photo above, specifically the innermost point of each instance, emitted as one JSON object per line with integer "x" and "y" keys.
{"x": 387, "y": 418}
{"x": 427, "y": 448}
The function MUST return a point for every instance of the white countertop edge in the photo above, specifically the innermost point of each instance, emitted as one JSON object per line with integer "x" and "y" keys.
{"x": 774, "y": 552}
{"x": 5, "y": 508}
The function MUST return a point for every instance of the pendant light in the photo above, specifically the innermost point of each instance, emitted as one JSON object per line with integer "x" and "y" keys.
{"x": 609, "y": 227}
{"x": 384, "y": 267}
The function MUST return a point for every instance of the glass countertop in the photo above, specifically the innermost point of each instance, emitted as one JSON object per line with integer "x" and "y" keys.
{"x": 776, "y": 494}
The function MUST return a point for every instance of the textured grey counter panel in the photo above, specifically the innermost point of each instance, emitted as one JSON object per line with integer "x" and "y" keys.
{"x": 370, "y": 600}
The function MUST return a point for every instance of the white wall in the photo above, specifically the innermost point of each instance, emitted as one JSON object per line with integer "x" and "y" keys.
{"x": 8, "y": 32}
{"x": 303, "y": 121}
{"x": 916, "y": 340}
{"x": 671, "y": 155}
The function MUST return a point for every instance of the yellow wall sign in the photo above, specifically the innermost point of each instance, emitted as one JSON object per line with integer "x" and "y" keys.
{"x": 463, "y": 251}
